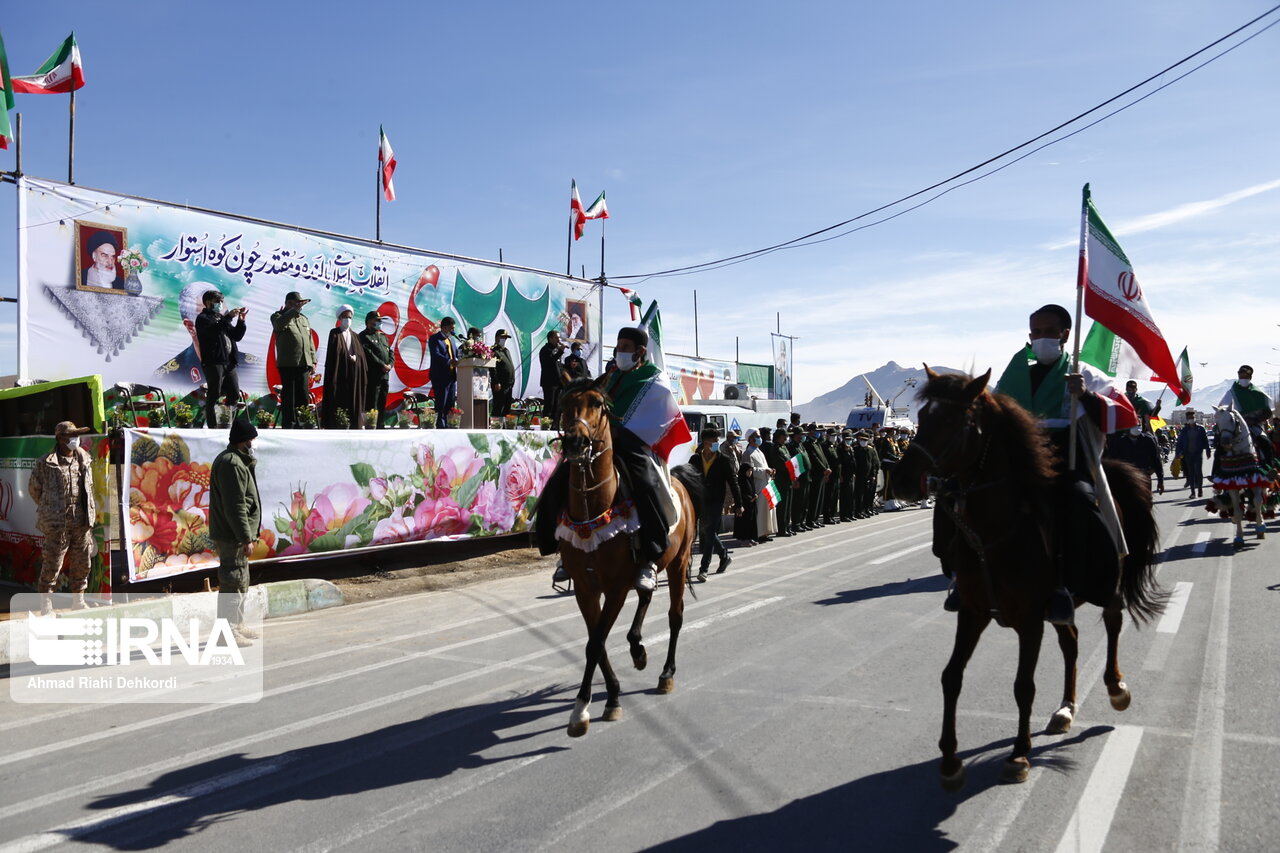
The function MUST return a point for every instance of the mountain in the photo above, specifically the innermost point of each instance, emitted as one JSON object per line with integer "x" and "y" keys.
{"x": 891, "y": 381}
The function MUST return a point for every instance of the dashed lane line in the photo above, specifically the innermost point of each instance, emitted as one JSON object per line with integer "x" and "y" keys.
{"x": 1091, "y": 821}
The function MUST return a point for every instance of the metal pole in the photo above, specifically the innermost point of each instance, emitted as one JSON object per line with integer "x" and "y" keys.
{"x": 602, "y": 222}
{"x": 1082, "y": 280}
{"x": 377, "y": 194}
{"x": 568, "y": 258}
{"x": 779, "y": 322}
{"x": 696, "y": 354}
{"x": 737, "y": 355}
{"x": 17, "y": 148}
{"x": 71, "y": 143}
{"x": 499, "y": 254}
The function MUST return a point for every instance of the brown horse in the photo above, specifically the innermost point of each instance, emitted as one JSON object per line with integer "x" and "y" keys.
{"x": 608, "y": 568}
{"x": 994, "y": 531}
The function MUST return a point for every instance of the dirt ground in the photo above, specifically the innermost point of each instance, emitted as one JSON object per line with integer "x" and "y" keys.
{"x": 384, "y": 573}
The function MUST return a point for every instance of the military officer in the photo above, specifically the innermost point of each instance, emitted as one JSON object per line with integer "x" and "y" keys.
{"x": 377, "y": 355}
{"x": 61, "y": 485}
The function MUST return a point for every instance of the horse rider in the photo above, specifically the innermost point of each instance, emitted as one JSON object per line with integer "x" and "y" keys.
{"x": 634, "y": 378}
{"x": 1039, "y": 378}
{"x": 1247, "y": 398}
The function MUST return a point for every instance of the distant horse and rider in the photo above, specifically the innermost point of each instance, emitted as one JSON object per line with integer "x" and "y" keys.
{"x": 1241, "y": 479}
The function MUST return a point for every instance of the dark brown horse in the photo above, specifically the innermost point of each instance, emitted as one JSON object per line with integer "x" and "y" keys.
{"x": 997, "y": 535}
{"x": 607, "y": 569}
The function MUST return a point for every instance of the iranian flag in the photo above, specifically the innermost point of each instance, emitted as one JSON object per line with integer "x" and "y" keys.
{"x": 1184, "y": 372}
{"x": 1113, "y": 298}
{"x": 6, "y": 99}
{"x": 655, "y": 417}
{"x": 387, "y": 160}
{"x": 62, "y": 72}
{"x": 651, "y": 322}
{"x": 796, "y": 466}
{"x": 633, "y": 299}
{"x": 577, "y": 216}
{"x": 597, "y": 210}
{"x": 771, "y": 495}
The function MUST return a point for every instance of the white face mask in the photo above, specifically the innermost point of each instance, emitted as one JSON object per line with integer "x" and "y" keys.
{"x": 625, "y": 360}
{"x": 252, "y": 451}
{"x": 1243, "y": 383}
{"x": 344, "y": 323}
{"x": 862, "y": 442}
{"x": 1135, "y": 431}
{"x": 73, "y": 442}
{"x": 1046, "y": 349}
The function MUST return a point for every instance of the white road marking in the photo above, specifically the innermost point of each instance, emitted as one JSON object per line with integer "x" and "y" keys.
{"x": 728, "y": 614}
{"x": 1202, "y": 542}
{"x": 1202, "y": 800}
{"x": 904, "y": 552}
{"x": 1091, "y": 822}
{"x": 1173, "y": 611}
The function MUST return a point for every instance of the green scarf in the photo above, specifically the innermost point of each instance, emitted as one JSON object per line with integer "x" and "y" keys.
{"x": 1050, "y": 399}
{"x": 625, "y": 385}
{"x": 1250, "y": 400}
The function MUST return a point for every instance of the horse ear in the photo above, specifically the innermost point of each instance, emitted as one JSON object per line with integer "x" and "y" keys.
{"x": 565, "y": 377}
{"x": 929, "y": 371}
{"x": 601, "y": 381}
{"x": 978, "y": 385}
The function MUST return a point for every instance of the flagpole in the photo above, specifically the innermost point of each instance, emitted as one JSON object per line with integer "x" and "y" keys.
{"x": 1082, "y": 280}
{"x": 602, "y": 222}
{"x": 377, "y": 192}
{"x": 568, "y": 258}
{"x": 71, "y": 142}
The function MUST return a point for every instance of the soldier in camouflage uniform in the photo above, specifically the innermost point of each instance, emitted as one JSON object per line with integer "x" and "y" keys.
{"x": 61, "y": 484}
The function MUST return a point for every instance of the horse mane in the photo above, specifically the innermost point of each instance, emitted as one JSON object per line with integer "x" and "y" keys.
{"x": 1010, "y": 427}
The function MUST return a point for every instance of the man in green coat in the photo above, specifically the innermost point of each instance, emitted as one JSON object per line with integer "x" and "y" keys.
{"x": 235, "y": 519}
{"x": 504, "y": 374}
{"x": 377, "y": 355}
{"x": 799, "y": 486}
{"x": 295, "y": 356}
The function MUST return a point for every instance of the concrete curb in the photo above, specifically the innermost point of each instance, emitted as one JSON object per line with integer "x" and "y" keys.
{"x": 272, "y": 600}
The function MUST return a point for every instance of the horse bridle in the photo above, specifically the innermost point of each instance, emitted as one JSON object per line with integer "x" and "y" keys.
{"x": 957, "y": 440}
{"x": 592, "y": 449}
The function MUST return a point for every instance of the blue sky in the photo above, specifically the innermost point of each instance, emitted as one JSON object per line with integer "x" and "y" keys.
{"x": 715, "y": 128}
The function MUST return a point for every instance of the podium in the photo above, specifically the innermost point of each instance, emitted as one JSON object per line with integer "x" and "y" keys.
{"x": 474, "y": 391}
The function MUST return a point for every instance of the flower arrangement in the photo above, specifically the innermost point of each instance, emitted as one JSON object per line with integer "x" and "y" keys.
{"x": 265, "y": 419}
{"x": 342, "y": 419}
{"x": 475, "y": 349}
{"x": 306, "y": 417}
{"x": 371, "y": 419}
{"x": 132, "y": 261}
{"x": 183, "y": 414}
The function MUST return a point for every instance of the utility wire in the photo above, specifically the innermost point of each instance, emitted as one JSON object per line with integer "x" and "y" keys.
{"x": 807, "y": 239}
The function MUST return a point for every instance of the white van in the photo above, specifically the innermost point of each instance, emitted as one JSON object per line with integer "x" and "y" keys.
{"x": 725, "y": 415}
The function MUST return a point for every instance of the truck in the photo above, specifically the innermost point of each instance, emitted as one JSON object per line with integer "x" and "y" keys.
{"x": 725, "y": 415}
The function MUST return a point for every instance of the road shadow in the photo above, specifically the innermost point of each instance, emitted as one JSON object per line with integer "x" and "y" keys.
{"x": 899, "y": 809}
{"x": 932, "y": 583}
{"x": 216, "y": 791}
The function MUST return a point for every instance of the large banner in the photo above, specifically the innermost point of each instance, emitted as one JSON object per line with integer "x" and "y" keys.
{"x": 694, "y": 379}
{"x": 332, "y": 490}
{"x": 89, "y": 300}
{"x": 782, "y": 367}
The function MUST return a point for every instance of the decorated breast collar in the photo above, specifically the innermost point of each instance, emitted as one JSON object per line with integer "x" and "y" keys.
{"x": 591, "y": 534}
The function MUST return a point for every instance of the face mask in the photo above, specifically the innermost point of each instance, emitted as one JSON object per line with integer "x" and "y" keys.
{"x": 73, "y": 442}
{"x": 862, "y": 442}
{"x": 1135, "y": 431}
{"x": 217, "y": 306}
{"x": 755, "y": 442}
{"x": 344, "y": 323}
{"x": 252, "y": 451}
{"x": 848, "y": 441}
{"x": 1243, "y": 383}
{"x": 625, "y": 360}
{"x": 715, "y": 445}
{"x": 1046, "y": 349}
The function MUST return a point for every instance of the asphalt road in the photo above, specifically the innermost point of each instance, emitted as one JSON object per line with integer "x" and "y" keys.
{"x": 806, "y": 716}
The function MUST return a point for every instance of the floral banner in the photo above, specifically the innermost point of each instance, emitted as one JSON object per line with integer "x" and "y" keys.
{"x": 325, "y": 491}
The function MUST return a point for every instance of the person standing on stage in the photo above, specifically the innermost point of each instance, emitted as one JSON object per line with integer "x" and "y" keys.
{"x": 61, "y": 485}
{"x": 549, "y": 360}
{"x": 444, "y": 371}
{"x": 504, "y": 374}
{"x": 216, "y": 337}
{"x": 378, "y": 363}
{"x": 295, "y": 356}
{"x": 345, "y": 374}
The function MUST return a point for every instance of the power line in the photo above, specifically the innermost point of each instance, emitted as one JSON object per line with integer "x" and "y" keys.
{"x": 807, "y": 239}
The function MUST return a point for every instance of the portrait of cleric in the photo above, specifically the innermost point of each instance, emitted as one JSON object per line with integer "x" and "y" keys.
{"x": 97, "y": 247}
{"x": 186, "y": 369}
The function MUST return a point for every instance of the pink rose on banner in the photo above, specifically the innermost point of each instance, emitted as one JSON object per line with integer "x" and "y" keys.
{"x": 396, "y": 528}
{"x": 442, "y": 474}
{"x": 378, "y": 488}
{"x": 338, "y": 504}
{"x": 495, "y": 511}
{"x": 518, "y": 478}
{"x": 435, "y": 518}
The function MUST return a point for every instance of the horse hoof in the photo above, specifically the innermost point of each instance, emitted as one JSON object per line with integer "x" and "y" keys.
{"x": 1060, "y": 722}
{"x": 1238, "y": 542}
{"x": 953, "y": 782}
{"x": 666, "y": 684}
{"x": 1016, "y": 770}
{"x": 1121, "y": 698}
{"x": 579, "y": 719}
{"x": 640, "y": 660}
{"x": 612, "y": 713}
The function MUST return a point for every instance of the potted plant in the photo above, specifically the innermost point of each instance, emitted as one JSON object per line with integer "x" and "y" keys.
{"x": 342, "y": 419}
{"x": 182, "y": 415}
{"x": 265, "y": 419}
{"x": 371, "y": 419}
{"x": 455, "y": 417}
{"x": 306, "y": 417}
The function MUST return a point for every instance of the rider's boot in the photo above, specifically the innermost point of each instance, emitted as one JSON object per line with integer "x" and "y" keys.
{"x": 647, "y": 578}
{"x": 561, "y": 574}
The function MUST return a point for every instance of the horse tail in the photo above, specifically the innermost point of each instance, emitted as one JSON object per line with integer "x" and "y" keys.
{"x": 1143, "y": 597}
{"x": 692, "y": 483}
